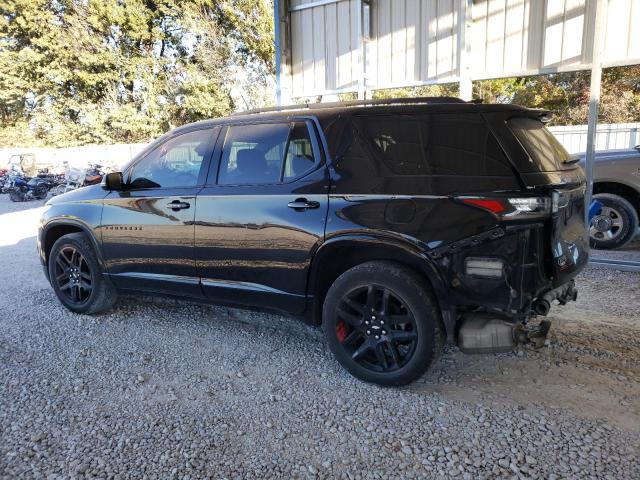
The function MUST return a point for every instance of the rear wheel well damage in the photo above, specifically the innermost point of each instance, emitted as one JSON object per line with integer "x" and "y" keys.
{"x": 624, "y": 191}
{"x": 333, "y": 260}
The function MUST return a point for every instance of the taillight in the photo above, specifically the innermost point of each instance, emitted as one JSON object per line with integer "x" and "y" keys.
{"x": 512, "y": 207}
{"x": 494, "y": 206}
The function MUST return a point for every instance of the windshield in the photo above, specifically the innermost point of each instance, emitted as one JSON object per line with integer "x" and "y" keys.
{"x": 544, "y": 149}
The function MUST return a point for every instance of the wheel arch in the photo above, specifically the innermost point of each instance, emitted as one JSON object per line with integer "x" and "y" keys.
{"x": 56, "y": 229}
{"x": 339, "y": 254}
{"x": 629, "y": 193}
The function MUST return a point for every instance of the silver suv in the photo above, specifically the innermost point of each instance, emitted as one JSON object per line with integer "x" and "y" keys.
{"x": 616, "y": 177}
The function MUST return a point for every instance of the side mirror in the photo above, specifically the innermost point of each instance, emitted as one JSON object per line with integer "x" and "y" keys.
{"x": 113, "y": 181}
{"x": 637, "y": 147}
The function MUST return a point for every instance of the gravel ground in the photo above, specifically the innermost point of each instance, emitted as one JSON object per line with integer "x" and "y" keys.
{"x": 165, "y": 389}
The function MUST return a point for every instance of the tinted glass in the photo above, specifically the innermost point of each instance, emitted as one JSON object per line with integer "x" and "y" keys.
{"x": 544, "y": 149}
{"x": 299, "y": 159}
{"x": 253, "y": 154}
{"x": 438, "y": 144}
{"x": 175, "y": 163}
{"x": 398, "y": 141}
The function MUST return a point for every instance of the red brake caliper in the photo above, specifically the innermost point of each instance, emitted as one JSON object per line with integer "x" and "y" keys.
{"x": 341, "y": 331}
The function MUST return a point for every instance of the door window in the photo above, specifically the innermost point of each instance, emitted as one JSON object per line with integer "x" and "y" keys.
{"x": 299, "y": 159}
{"x": 175, "y": 163}
{"x": 253, "y": 154}
{"x": 268, "y": 153}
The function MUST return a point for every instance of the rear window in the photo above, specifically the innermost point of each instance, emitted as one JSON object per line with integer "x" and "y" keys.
{"x": 543, "y": 148}
{"x": 433, "y": 145}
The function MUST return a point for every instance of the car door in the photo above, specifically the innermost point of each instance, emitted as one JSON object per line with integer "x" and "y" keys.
{"x": 148, "y": 228}
{"x": 262, "y": 214}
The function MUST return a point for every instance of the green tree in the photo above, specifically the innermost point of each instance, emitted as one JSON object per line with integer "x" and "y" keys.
{"x": 566, "y": 95}
{"x": 98, "y": 71}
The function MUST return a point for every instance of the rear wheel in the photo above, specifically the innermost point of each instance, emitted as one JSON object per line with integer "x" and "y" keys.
{"x": 76, "y": 277}
{"x": 615, "y": 225}
{"x": 382, "y": 323}
{"x": 41, "y": 192}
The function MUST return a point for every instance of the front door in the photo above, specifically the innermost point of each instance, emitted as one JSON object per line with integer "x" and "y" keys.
{"x": 262, "y": 215}
{"x": 148, "y": 228}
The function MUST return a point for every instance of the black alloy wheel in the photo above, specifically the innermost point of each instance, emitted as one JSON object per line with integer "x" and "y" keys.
{"x": 376, "y": 329}
{"x": 76, "y": 276}
{"x": 73, "y": 275}
{"x": 382, "y": 323}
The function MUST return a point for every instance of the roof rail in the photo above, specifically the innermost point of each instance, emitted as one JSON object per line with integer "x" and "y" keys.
{"x": 356, "y": 103}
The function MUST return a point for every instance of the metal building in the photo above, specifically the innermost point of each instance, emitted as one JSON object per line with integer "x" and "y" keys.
{"x": 325, "y": 47}
{"x": 333, "y": 46}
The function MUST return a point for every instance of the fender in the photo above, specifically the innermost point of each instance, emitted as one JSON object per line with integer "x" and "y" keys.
{"x": 72, "y": 222}
{"x": 367, "y": 246}
{"x": 625, "y": 183}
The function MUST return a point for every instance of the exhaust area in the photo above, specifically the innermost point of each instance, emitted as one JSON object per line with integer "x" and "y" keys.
{"x": 490, "y": 334}
{"x": 563, "y": 294}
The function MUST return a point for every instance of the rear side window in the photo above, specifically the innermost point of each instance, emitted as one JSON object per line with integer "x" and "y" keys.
{"x": 299, "y": 159}
{"x": 433, "y": 145}
{"x": 267, "y": 153}
{"x": 543, "y": 148}
{"x": 253, "y": 154}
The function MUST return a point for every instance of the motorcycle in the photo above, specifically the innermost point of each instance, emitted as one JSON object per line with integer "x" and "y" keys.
{"x": 25, "y": 189}
{"x": 93, "y": 175}
{"x": 74, "y": 179}
{"x": 6, "y": 182}
{"x": 3, "y": 176}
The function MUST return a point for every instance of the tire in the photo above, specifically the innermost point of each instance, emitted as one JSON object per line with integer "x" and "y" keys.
{"x": 16, "y": 196}
{"x": 41, "y": 193}
{"x": 92, "y": 292}
{"x": 395, "y": 347}
{"x": 616, "y": 225}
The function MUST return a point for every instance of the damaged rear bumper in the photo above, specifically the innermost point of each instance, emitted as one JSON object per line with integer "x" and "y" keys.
{"x": 493, "y": 333}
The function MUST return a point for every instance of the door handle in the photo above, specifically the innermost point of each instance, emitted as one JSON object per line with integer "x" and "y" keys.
{"x": 178, "y": 205}
{"x": 303, "y": 204}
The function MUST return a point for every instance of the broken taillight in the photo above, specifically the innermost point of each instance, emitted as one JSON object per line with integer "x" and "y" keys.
{"x": 511, "y": 207}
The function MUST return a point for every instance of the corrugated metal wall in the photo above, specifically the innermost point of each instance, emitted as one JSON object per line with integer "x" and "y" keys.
{"x": 419, "y": 41}
{"x": 325, "y": 47}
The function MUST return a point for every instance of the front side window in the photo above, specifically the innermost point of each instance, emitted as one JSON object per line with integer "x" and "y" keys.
{"x": 175, "y": 163}
{"x": 266, "y": 153}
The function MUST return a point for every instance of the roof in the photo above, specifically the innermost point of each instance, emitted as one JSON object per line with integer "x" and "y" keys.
{"x": 378, "y": 106}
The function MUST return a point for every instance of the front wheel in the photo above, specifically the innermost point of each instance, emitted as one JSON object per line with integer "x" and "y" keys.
{"x": 16, "y": 195}
{"x": 382, "y": 323}
{"x": 76, "y": 277}
{"x": 616, "y": 223}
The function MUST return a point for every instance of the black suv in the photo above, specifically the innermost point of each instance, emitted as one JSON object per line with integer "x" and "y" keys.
{"x": 396, "y": 225}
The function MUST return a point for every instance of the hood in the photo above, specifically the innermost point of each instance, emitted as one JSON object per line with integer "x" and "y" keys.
{"x": 93, "y": 192}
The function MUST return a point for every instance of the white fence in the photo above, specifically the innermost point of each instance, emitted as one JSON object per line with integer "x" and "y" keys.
{"x": 573, "y": 137}
{"x": 609, "y": 136}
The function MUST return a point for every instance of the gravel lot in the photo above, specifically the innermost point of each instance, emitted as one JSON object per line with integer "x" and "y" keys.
{"x": 165, "y": 389}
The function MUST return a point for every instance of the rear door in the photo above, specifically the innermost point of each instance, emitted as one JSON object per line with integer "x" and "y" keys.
{"x": 148, "y": 229}
{"x": 262, "y": 215}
